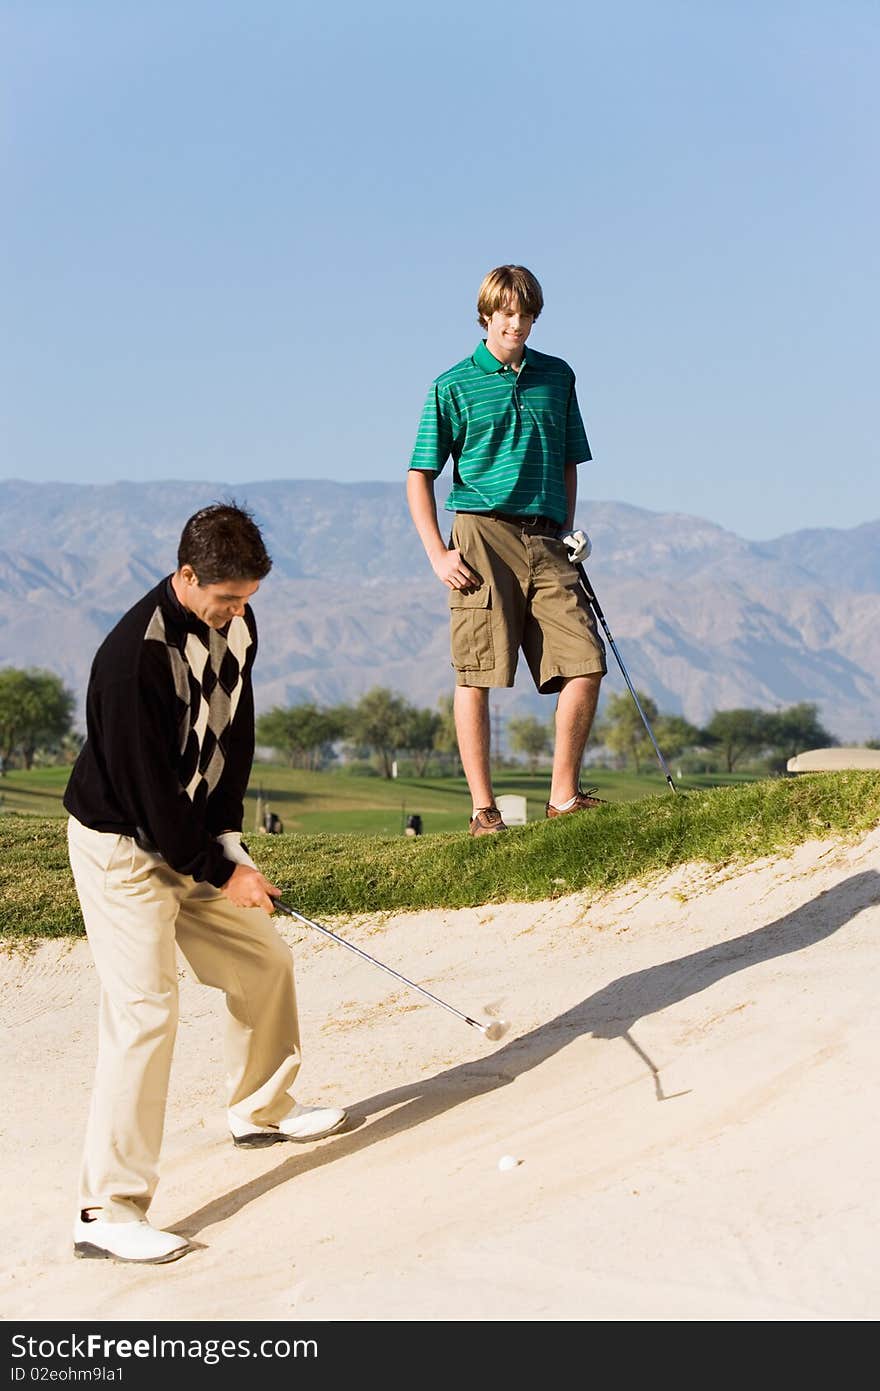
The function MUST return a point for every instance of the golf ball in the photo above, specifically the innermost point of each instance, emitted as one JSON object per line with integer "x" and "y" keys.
{"x": 507, "y": 1161}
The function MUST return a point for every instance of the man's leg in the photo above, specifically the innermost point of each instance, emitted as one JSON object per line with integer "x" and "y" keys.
{"x": 472, "y": 729}
{"x": 564, "y": 653}
{"x": 239, "y": 951}
{"x": 131, "y": 936}
{"x": 486, "y": 631}
{"x": 575, "y": 711}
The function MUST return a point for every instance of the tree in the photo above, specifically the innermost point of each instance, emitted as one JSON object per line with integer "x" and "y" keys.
{"x": 739, "y": 732}
{"x": 379, "y": 721}
{"x": 675, "y": 735}
{"x": 795, "y": 729}
{"x": 300, "y": 732}
{"x": 446, "y": 738}
{"x": 420, "y": 730}
{"x": 531, "y": 736}
{"x": 622, "y": 728}
{"x": 36, "y": 709}
{"x": 12, "y": 699}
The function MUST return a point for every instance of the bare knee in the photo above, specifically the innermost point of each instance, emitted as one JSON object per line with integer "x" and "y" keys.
{"x": 582, "y": 690}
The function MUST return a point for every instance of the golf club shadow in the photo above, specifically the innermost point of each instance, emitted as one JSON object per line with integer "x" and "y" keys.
{"x": 608, "y": 1013}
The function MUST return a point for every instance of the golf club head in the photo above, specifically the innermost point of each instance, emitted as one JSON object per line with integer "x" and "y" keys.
{"x": 497, "y": 1029}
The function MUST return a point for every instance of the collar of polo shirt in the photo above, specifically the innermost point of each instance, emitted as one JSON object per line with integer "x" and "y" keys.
{"x": 488, "y": 362}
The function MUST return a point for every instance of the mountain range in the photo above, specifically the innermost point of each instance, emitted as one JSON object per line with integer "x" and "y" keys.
{"x": 702, "y": 618}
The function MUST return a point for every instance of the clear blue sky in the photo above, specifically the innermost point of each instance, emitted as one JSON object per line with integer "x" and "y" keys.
{"x": 240, "y": 239}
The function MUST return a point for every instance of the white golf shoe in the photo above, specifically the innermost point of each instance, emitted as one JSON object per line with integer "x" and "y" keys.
{"x": 99, "y": 1240}
{"x": 304, "y": 1123}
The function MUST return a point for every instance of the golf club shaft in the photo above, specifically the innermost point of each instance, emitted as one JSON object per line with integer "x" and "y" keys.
{"x": 292, "y": 913}
{"x": 597, "y": 609}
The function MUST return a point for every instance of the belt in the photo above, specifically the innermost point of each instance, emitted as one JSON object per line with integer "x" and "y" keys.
{"x": 530, "y": 523}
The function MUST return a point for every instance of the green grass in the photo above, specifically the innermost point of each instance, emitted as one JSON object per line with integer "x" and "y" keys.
{"x": 340, "y": 803}
{"x": 625, "y": 840}
{"x": 337, "y": 803}
{"x": 38, "y": 792}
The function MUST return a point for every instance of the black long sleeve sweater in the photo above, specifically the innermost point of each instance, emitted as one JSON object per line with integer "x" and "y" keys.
{"x": 169, "y": 733}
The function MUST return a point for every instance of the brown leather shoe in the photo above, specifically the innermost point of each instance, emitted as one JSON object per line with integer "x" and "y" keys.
{"x": 584, "y": 801}
{"x": 486, "y": 822}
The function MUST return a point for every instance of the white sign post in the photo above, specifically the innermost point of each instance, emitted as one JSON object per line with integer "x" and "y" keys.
{"x": 512, "y": 808}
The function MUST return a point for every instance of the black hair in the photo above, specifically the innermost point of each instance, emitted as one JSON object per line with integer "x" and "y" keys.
{"x": 223, "y": 542}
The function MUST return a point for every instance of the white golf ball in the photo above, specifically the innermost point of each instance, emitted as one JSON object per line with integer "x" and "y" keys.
{"x": 507, "y": 1161}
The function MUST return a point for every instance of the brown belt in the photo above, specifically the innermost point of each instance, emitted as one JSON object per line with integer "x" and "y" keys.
{"x": 527, "y": 523}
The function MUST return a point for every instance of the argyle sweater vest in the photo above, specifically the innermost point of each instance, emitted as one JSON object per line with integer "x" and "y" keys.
{"x": 170, "y": 733}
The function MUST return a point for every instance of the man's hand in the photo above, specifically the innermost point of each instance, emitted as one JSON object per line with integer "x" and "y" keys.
{"x": 447, "y": 565}
{"x": 248, "y": 888}
{"x": 454, "y": 571}
{"x": 579, "y": 546}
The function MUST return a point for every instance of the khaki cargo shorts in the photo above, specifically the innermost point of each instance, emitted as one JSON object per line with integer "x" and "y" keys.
{"x": 530, "y": 597}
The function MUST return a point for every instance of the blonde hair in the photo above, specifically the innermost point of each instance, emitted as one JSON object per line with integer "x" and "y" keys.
{"x": 507, "y": 283}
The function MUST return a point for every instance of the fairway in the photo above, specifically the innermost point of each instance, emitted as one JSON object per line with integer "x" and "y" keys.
{"x": 348, "y": 803}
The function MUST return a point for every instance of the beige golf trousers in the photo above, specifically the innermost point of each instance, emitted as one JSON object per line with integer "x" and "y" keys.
{"x": 135, "y": 908}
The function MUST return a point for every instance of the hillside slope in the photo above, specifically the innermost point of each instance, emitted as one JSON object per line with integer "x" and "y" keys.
{"x": 703, "y": 618}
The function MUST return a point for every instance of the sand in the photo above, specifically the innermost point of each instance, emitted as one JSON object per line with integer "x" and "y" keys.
{"x": 689, "y": 1084}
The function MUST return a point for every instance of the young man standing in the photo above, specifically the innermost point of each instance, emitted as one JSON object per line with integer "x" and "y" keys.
{"x": 156, "y": 801}
{"x": 509, "y": 419}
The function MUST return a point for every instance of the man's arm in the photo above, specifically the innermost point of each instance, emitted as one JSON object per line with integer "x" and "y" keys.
{"x": 448, "y": 565}
{"x": 225, "y": 809}
{"x": 135, "y": 722}
{"x": 571, "y": 492}
{"x": 578, "y": 542}
{"x": 246, "y": 887}
{"x": 181, "y": 840}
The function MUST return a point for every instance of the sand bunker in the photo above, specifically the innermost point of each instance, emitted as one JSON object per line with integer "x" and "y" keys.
{"x": 689, "y": 1086}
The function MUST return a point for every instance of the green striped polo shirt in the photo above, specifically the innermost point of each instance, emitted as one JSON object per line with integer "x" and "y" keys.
{"x": 510, "y": 434}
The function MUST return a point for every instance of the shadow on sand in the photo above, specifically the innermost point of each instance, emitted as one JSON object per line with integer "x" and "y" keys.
{"x": 608, "y": 1013}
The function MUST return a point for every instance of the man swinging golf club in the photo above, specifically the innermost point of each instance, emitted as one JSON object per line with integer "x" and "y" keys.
{"x": 509, "y": 418}
{"x": 156, "y": 800}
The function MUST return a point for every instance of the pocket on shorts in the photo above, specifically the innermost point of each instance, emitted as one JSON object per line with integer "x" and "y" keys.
{"x": 470, "y": 618}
